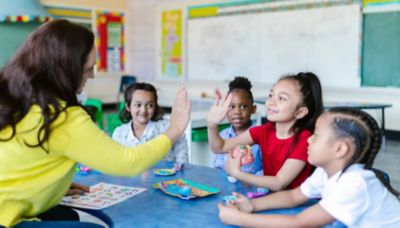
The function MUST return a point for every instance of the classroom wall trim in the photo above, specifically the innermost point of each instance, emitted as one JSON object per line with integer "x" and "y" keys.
{"x": 251, "y": 7}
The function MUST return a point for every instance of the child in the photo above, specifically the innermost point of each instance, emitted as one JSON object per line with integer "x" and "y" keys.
{"x": 143, "y": 121}
{"x": 239, "y": 114}
{"x": 294, "y": 104}
{"x": 343, "y": 148}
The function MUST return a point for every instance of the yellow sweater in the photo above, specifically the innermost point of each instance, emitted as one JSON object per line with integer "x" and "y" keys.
{"x": 32, "y": 181}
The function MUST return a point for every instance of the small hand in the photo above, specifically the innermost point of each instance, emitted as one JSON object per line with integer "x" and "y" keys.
{"x": 228, "y": 214}
{"x": 77, "y": 189}
{"x": 232, "y": 165}
{"x": 218, "y": 111}
{"x": 243, "y": 203}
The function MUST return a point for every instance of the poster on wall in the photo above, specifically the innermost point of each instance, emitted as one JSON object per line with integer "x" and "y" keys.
{"x": 171, "y": 47}
{"x": 110, "y": 41}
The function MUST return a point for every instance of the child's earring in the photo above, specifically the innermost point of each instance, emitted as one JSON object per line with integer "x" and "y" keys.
{"x": 301, "y": 112}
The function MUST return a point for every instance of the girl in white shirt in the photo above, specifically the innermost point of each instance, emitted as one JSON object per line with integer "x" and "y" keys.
{"x": 143, "y": 120}
{"x": 343, "y": 147}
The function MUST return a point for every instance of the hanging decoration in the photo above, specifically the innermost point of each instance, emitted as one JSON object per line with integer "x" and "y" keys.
{"x": 24, "y": 18}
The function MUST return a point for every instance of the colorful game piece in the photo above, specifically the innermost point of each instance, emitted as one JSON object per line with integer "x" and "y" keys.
{"x": 164, "y": 172}
{"x": 260, "y": 192}
{"x": 178, "y": 166}
{"x": 231, "y": 179}
{"x": 185, "y": 190}
{"x": 255, "y": 194}
{"x": 228, "y": 199}
{"x": 247, "y": 157}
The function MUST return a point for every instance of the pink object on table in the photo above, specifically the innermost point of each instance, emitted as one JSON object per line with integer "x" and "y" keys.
{"x": 247, "y": 157}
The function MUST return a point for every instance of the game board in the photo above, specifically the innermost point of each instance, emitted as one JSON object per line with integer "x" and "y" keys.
{"x": 101, "y": 195}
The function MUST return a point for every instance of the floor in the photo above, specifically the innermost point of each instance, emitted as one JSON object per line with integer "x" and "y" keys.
{"x": 389, "y": 161}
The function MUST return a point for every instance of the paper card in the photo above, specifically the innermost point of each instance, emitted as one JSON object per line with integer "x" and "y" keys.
{"x": 101, "y": 195}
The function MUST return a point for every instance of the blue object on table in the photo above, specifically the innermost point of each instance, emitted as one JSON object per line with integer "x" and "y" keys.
{"x": 140, "y": 210}
{"x": 228, "y": 199}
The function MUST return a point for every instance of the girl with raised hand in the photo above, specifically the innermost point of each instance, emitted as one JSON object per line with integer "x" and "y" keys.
{"x": 143, "y": 121}
{"x": 293, "y": 105}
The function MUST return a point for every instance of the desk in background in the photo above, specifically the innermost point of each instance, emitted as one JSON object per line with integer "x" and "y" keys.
{"x": 153, "y": 208}
{"x": 356, "y": 105}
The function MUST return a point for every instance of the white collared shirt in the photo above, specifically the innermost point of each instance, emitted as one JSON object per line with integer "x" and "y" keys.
{"x": 357, "y": 197}
{"x": 124, "y": 135}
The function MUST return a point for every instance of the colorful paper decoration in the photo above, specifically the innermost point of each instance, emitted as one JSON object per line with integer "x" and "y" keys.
{"x": 110, "y": 41}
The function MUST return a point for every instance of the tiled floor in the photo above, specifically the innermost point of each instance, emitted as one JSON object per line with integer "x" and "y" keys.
{"x": 389, "y": 161}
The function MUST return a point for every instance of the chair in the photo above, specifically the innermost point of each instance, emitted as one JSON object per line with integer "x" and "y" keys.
{"x": 113, "y": 122}
{"x": 126, "y": 80}
{"x": 98, "y": 104}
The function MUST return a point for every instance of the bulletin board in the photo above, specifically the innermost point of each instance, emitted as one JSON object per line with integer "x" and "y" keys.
{"x": 264, "y": 44}
{"x": 110, "y": 41}
{"x": 381, "y": 50}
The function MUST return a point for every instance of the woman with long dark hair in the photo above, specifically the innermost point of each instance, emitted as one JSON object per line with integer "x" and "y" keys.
{"x": 44, "y": 131}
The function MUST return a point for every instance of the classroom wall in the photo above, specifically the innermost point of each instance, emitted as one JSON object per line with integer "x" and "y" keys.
{"x": 106, "y": 85}
{"x": 141, "y": 56}
{"x": 89, "y": 4}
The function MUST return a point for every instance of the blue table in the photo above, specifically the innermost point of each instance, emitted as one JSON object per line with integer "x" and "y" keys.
{"x": 153, "y": 208}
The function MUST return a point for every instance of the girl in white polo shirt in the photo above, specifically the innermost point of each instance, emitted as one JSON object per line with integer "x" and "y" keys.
{"x": 143, "y": 121}
{"x": 343, "y": 148}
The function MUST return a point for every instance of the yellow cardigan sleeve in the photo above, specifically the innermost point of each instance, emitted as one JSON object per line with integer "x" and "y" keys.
{"x": 75, "y": 136}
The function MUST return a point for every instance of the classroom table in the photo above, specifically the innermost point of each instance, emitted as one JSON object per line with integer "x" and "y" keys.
{"x": 153, "y": 208}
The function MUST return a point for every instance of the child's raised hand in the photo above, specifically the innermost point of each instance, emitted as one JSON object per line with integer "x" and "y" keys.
{"x": 180, "y": 115}
{"x": 218, "y": 111}
{"x": 243, "y": 203}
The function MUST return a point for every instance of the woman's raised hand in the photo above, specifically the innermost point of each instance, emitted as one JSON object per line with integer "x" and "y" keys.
{"x": 180, "y": 115}
{"x": 218, "y": 111}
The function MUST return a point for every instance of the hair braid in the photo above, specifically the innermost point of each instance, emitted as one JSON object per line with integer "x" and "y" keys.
{"x": 367, "y": 136}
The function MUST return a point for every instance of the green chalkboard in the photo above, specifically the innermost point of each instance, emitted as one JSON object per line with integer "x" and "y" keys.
{"x": 381, "y": 49}
{"x": 11, "y": 38}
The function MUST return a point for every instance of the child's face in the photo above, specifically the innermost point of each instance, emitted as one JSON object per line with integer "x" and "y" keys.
{"x": 283, "y": 100}
{"x": 240, "y": 110}
{"x": 322, "y": 144}
{"x": 142, "y": 106}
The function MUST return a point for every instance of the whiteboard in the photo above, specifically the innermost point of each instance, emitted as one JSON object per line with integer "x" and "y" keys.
{"x": 265, "y": 46}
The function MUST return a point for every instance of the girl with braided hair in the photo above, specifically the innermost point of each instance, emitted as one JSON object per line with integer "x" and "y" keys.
{"x": 343, "y": 147}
